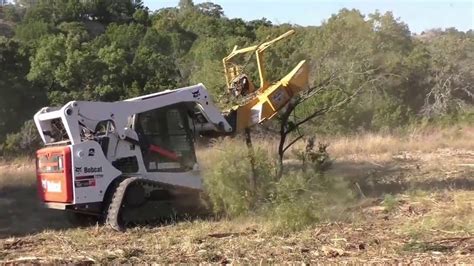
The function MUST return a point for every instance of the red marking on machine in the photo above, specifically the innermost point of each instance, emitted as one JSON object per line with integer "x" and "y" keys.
{"x": 168, "y": 154}
{"x": 54, "y": 174}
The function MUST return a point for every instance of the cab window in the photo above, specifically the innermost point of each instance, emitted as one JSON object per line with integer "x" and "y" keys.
{"x": 166, "y": 139}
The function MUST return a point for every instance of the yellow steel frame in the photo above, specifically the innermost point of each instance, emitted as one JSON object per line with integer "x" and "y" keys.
{"x": 231, "y": 71}
{"x": 271, "y": 96}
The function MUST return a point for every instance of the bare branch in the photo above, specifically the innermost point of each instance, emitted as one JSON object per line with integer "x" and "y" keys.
{"x": 292, "y": 142}
{"x": 449, "y": 90}
{"x": 333, "y": 106}
{"x": 287, "y": 126}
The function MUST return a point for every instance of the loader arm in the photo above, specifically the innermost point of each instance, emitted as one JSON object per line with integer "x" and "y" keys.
{"x": 77, "y": 114}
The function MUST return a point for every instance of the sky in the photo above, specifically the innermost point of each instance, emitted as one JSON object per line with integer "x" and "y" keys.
{"x": 420, "y": 15}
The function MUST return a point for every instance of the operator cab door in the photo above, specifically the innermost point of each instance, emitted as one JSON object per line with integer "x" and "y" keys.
{"x": 166, "y": 139}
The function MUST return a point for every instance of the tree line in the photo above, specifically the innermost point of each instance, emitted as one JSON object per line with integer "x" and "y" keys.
{"x": 54, "y": 51}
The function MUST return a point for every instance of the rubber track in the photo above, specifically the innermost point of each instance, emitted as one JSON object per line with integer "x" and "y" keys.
{"x": 116, "y": 206}
{"x": 113, "y": 211}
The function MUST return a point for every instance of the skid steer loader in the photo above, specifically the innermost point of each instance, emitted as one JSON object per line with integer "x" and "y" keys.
{"x": 133, "y": 161}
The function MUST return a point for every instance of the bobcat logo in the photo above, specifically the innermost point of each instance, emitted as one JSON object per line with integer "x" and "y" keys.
{"x": 196, "y": 93}
{"x": 77, "y": 169}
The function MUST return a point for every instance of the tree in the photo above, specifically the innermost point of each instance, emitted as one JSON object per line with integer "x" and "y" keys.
{"x": 185, "y": 5}
{"x": 26, "y": 3}
{"x": 12, "y": 13}
{"x": 141, "y": 16}
{"x": 210, "y": 9}
{"x": 31, "y": 32}
{"x": 15, "y": 90}
{"x": 257, "y": 23}
{"x": 290, "y": 120}
{"x": 451, "y": 76}
{"x": 108, "y": 11}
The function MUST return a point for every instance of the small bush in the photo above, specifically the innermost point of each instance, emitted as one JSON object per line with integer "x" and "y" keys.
{"x": 24, "y": 142}
{"x": 390, "y": 202}
{"x": 301, "y": 199}
{"x": 319, "y": 160}
{"x": 227, "y": 178}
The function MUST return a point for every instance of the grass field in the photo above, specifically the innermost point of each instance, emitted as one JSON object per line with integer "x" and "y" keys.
{"x": 415, "y": 204}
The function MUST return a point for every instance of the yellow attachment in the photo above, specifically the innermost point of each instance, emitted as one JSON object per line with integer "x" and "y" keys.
{"x": 268, "y": 102}
{"x": 269, "y": 98}
{"x": 233, "y": 70}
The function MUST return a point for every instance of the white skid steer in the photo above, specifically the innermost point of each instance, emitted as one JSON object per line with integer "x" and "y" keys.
{"x": 125, "y": 161}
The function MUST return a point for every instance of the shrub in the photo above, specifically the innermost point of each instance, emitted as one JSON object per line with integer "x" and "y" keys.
{"x": 24, "y": 142}
{"x": 390, "y": 202}
{"x": 303, "y": 198}
{"x": 319, "y": 160}
{"x": 227, "y": 178}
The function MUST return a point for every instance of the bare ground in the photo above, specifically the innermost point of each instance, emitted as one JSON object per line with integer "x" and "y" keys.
{"x": 415, "y": 206}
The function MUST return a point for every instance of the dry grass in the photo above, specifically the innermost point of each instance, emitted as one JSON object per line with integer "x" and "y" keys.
{"x": 376, "y": 237}
{"x": 426, "y": 140}
{"x": 415, "y": 206}
{"x": 17, "y": 172}
{"x": 373, "y": 145}
{"x": 456, "y": 219}
{"x": 20, "y": 209}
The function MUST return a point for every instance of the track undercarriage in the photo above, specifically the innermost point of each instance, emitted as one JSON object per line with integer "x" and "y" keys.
{"x": 134, "y": 201}
{"x": 138, "y": 201}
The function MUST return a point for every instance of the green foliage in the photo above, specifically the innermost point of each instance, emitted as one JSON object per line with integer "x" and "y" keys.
{"x": 141, "y": 16}
{"x": 451, "y": 72}
{"x": 12, "y": 14}
{"x": 210, "y": 9}
{"x": 25, "y": 142}
{"x": 74, "y": 28}
{"x": 18, "y": 97}
{"x": 390, "y": 202}
{"x": 32, "y": 31}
